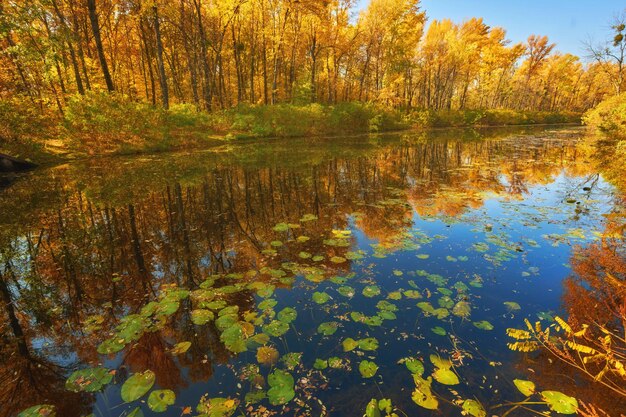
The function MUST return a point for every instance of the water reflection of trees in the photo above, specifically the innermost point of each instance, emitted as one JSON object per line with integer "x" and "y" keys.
{"x": 102, "y": 239}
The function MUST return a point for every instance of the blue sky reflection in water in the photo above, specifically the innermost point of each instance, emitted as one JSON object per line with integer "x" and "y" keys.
{"x": 431, "y": 244}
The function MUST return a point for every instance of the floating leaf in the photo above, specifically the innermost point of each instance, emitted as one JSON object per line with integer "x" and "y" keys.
{"x": 346, "y": 291}
{"x": 368, "y": 344}
{"x": 525, "y": 387}
{"x": 349, "y": 344}
{"x": 266, "y": 355}
{"x": 201, "y": 316}
{"x": 89, "y": 380}
{"x": 320, "y": 297}
{"x": 281, "y": 387}
{"x": 422, "y": 395}
{"x": 276, "y": 328}
{"x": 512, "y": 306}
{"x": 308, "y": 218}
{"x": 338, "y": 259}
{"x": 320, "y": 364}
{"x": 439, "y": 330}
{"x": 180, "y": 348}
{"x": 137, "y": 386}
{"x": 287, "y": 315}
{"x": 159, "y": 400}
{"x": 474, "y": 408}
{"x": 462, "y": 309}
{"x": 42, "y": 410}
{"x": 415, "y": 366}
{"x": 483, "y": 325}
{"x": 559, "y": 402}
{"x": 368, "y": 369}
{"x": 446, "y": 376}
{"x": 217, "y": 407}
{"x": 371, "y": 291}
{"x": 328, "y": 328}
{"x": 291, "y": 360}
{"x": 372, "y": 409}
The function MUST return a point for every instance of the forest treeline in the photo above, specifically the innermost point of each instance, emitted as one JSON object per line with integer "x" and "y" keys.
{"x": 218, "y": 53}
{"x": 214, "y": 55}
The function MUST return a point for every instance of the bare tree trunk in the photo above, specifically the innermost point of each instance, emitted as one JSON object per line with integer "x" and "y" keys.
{"x": 161, "y": 65}
{"x": 95, "y": 27}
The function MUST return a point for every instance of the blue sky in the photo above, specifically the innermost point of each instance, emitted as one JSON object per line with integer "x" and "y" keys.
{"x": 566, "y": 22}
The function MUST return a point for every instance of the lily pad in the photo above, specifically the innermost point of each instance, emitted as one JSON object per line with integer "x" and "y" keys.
{"x": 371, "y": 291}
{"x": 320, "y": 297}
{"x": 89, "y": 380}
{"x": 41, "y": 410}
{"x": 512, "y": 306}
{"x": 287, "y": 315}
{"x": 368, "y": 344}
{"x": 266, "y": 355}
{"x": 137, "y": 386}
{"x": 281, "y": 387}
{"x": 483, "y": 325}
{"x": 446, "y": 376}
{"x": 328, "y": 328}
{"x": 180, "y": 348}
{"x": 217, "y": 407}
{"x": 368, "y": 369}
{"x": 525, "y": 387}
{"x": 349, "y": 344}
{"x": 159, "y": 400}
{"x": 559, "y": 402}
{"x": 474, "y": 408}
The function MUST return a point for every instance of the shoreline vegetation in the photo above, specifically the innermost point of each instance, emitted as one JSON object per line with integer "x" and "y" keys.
{"x": 112, "y": 124}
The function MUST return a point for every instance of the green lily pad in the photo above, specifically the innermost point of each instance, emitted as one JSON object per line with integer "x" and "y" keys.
{"x": 368, "y": 344}
{"x": 462, "y": 309}
{"x": 41, "y": 410}
{"x": 415, "y": 366}
{"x": 346, "y": 291}
{"x": 89, "y": 380}
{"x": 439, "y": 331}
{"x": 291, "y": 360}
{"x": 474, "y": 408}
{"x": 137, "y": 386}
{"x": 281, "y": 387}
{"x": 559, "y": 402}
{"x": 217, "y": 407}
{"x": 201, "y": 316}
{"x": 422, "y": 395}
{"x": 368, "y": 369}
{"x": 371, "y": 291}
{"x": 349, "y": 344}
{"x": 287, "y": 315}
{"x": 320, "y": 297}
{"x": 512, "y": 306}
{"x": 159, "y": 400}
{"x": 525, "y": 387}
{"x": 320, "y": 364}
{"x": 180, "y": 348}
{"x": 328, "y": 328}
{"x": 483, "y": 325}
{"x": 276, "y": 328}
{"x": 446, "y": 376}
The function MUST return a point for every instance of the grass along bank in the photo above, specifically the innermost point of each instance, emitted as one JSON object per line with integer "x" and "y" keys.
{"x": 100, "y": 123}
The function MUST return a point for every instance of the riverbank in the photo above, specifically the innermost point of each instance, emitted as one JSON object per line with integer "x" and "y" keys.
{"x": 101, "y": 124}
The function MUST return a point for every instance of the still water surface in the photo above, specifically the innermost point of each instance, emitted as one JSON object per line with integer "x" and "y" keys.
{"x": 296, "y": 277}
